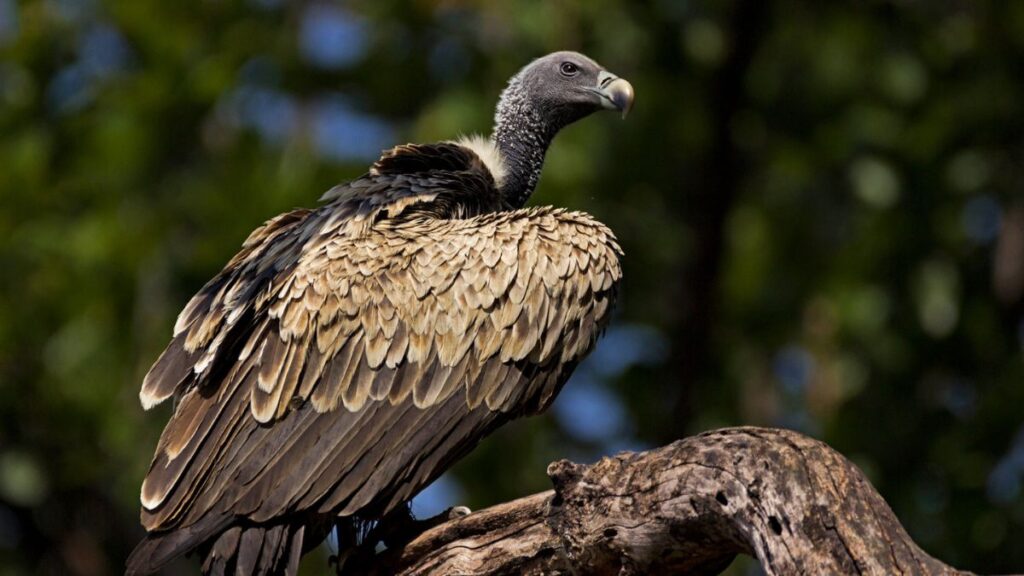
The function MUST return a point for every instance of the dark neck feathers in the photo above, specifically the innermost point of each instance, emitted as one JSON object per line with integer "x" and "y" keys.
{"x": 522, "y": 135}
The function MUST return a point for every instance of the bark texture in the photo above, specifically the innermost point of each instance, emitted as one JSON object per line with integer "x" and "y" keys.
{"x": 791, "y": 502}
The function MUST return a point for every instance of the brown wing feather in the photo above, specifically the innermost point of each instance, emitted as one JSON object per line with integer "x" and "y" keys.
{"x": 335, "y": 350}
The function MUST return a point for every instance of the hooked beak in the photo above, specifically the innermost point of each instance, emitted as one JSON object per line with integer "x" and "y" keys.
{"x": 614, "y": 92}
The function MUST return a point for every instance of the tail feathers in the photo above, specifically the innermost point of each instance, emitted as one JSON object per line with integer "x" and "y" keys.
{"x": 159, "y": 548}
{"x": 222, "y": 555}
{"x": 257, "y": 550}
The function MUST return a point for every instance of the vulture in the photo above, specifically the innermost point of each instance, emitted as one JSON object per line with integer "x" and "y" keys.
{"x": 351, "y": 353}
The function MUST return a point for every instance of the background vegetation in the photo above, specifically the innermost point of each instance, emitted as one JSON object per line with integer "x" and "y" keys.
{"x": 821, "y": 208}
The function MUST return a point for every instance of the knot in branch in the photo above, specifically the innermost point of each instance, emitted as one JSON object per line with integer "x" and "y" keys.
{"x": 564, "y": 475}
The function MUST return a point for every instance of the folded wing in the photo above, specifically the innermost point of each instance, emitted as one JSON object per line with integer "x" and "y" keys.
{"x": 348, "y": 355}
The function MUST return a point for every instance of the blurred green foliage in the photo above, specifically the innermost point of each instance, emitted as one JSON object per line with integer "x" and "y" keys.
{"x": 821, "y": 208}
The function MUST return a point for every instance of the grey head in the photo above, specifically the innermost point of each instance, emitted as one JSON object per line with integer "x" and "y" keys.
{"x": 545, "y": 96}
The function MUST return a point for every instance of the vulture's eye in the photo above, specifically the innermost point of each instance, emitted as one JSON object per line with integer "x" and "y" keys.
{"x": 569, "y": 69}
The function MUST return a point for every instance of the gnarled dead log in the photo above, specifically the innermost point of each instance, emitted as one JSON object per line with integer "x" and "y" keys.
{"x": 792, "y": 502}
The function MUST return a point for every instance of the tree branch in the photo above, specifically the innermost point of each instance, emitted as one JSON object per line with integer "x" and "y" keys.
{"x": 793, "y": 503}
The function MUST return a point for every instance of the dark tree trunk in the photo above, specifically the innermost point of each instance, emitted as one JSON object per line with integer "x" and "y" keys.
{"x": 709, "y": 203}
{"x": 791, "y": 502}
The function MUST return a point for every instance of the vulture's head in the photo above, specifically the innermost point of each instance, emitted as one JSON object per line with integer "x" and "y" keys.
{"x": 563, "y": 87}
{"x": 547, "y": 95}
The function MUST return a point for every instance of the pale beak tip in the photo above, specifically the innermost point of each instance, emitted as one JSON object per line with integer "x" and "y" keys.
{"x": 620, "y": 92}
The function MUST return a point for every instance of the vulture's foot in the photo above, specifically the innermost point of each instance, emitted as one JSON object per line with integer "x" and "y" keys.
{"x": 358, "y": 546}
{"x": 401, "y": 527}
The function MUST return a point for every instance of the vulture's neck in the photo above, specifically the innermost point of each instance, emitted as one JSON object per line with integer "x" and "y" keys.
{"x": 522, "y": 137}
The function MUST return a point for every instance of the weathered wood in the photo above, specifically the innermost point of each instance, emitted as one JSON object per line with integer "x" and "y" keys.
{"x": 792, "y": 502}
